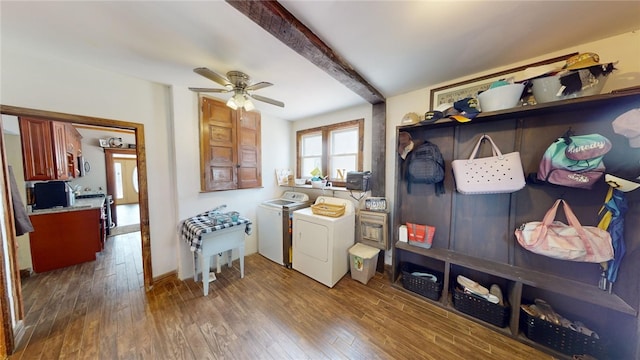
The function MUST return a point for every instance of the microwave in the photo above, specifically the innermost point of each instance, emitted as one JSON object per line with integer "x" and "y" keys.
{"x": 52, "y": 194}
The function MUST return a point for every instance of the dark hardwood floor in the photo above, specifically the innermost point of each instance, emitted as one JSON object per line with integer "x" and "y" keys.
{"x": 99, "y": 310}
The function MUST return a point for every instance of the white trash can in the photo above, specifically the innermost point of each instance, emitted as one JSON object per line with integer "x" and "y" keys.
{"x": 363, "y": 261}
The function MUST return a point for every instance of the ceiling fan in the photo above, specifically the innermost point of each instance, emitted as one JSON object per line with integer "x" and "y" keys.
{"x": 238, "y": 83}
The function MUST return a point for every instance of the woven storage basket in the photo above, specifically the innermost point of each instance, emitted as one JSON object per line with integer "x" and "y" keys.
{"x": 560, "y": 338}
{"x": 480, "y": 308}
{"x": 421, "y": 285}
{"x": 328, "y": 209}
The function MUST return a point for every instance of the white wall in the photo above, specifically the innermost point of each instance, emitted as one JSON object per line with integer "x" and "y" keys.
{"x": 191, "y": 201}
{"x": 54, "y": 85}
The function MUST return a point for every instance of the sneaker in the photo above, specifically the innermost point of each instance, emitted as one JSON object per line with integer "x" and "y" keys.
{"x": 489, "y": 297}
{"x": 495, "y": 291}
{"x": 472, "y": 285}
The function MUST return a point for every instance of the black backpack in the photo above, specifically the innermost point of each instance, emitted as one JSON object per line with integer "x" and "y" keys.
{"x": 426, "y": 166}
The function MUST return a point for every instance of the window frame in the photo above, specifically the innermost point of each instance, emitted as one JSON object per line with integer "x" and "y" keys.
{"x": 325, "y": 131}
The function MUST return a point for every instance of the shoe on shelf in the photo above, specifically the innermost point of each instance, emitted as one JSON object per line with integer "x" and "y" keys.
{"x": 581, "y": 328}
{"x": 547, "y": 312}
{"x": 532, "y": 310}
{"x": 472, "y": 285}
{"x": 489, "y": 297}
{"x": 427, "y": 276}
{"x": 495, "y": 291}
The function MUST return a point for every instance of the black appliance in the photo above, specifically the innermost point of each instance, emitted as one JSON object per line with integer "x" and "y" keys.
{"x": 52, "y": 194}
{"x": 358, "y": 180}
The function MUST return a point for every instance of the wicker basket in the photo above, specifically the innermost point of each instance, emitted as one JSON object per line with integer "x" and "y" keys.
{"x": 421, "y": 285}
{"x": 482, "y": 309}
{"x": 328, "y": 209}
{"x": 560, "y": 338}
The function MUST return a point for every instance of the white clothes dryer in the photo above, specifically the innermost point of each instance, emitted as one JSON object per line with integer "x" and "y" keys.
{"x": 321, "y": 243}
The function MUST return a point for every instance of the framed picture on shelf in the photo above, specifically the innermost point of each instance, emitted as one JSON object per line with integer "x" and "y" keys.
{"x": 470, "y": 88}
{"x": 104, "y": 143}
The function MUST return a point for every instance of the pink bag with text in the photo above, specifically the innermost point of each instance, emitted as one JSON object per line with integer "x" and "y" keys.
{"x": 566, "y": 242}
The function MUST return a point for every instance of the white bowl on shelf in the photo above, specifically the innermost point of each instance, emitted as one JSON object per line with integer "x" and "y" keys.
{"x": 501, "y": 97}
{"x": 545, "y": 89}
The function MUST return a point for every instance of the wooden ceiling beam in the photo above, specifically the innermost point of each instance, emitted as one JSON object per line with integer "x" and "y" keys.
{"x": 279, "y": 22}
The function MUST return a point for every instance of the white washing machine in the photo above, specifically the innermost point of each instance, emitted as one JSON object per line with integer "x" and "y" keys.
{"x": 274, "y": 226}
{"x": 321, "y": 243}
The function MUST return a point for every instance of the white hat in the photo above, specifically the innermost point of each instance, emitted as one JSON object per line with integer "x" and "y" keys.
{"x": 628, "y": 124}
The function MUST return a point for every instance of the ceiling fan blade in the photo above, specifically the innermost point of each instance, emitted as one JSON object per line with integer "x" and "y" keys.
{"x": 267, "y": 100}
{"x": 259, "y": 85}
{"x": 209, "y": 90}
{"x": 213, "y": 76}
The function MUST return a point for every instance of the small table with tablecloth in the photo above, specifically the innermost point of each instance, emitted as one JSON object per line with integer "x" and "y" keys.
{"x": 212, "y": 233}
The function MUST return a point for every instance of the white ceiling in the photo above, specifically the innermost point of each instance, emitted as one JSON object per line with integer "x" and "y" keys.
{"x": 397, "y": 46}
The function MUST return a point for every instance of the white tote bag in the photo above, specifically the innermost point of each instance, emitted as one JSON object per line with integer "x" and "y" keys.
{"x": 489, "y": 175}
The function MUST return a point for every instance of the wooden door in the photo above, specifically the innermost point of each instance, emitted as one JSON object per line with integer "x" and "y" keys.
{"x": 126, "y": 181}
{"x": 110, "y": 156}
{"x": 249, "y": 162}
{"x": 218, "y": 146}
{"x": 37, "y": 149}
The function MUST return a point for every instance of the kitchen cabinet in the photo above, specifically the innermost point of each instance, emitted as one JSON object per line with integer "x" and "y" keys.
{"x": 83, "y": 235}
{"x": 49, "y": 149}
{"x": 474, "y": 233}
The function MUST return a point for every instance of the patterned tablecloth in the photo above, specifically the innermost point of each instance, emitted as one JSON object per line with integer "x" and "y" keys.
{"x": 195, "y": 227}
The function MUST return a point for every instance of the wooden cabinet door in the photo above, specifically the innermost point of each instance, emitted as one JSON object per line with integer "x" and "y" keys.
{"x": 37, "y": 149}
{"x": 60, "y": 150}
{"x": 218, "y": 143}
{"x": 249, "y": 162}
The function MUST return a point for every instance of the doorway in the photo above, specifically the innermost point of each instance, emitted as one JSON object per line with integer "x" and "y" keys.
{"x": 122, "y": 183}
{"x": 14, "y": 291}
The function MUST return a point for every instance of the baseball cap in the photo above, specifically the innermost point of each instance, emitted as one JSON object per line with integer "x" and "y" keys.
{"x": 467, "y": 109}
{"x": 440, "y": 112}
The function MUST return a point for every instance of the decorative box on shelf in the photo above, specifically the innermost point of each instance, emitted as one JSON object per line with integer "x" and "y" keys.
{"x": 375, "y": 204}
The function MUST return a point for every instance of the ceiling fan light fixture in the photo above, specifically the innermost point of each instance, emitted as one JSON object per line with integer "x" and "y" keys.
{"x": 239, "y": 98}
{"x": 248, "y": 105}
{"x": 232, "y": 103}
{"x": 239, "y": 83}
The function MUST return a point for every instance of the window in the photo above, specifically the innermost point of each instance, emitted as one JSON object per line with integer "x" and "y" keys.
{"x": 333, "y": 149}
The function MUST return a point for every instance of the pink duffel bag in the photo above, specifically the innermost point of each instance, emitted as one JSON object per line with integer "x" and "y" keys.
{"x": 566, "y": 242}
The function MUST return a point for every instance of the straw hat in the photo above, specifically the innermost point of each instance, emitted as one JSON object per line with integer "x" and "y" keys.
{"x": 583, "y": 61}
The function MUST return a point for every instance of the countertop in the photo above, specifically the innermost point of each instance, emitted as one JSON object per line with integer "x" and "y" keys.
{"x": 80, "y": 204}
